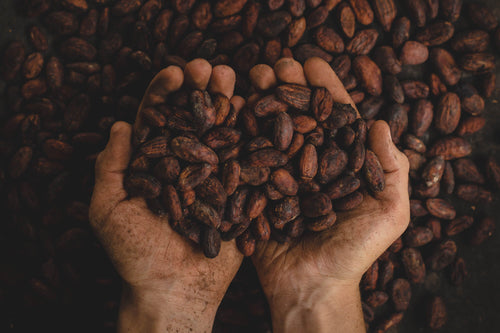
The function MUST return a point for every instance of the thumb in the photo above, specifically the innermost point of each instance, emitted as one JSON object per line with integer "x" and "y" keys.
{"x": 110, "y": 168}
{"x": 393, "y": 161}
{"x": 380, "y": 141}
{"x": 113, "y": 160}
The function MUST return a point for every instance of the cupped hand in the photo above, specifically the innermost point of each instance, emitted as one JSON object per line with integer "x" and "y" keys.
{"x": 165, "y": 276}
{"x": 326, "y": 268}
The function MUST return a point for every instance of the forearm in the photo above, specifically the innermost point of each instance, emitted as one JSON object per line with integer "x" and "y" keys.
{"x": 337, "y": 309}
{"x": 150, "y": 311}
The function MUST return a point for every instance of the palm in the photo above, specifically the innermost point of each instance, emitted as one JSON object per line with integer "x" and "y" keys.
{"x": 343, "y": 253}
{"x": 154, "y": 250}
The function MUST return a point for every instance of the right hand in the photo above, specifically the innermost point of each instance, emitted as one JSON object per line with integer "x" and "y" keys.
{"x": 324, "y": 270}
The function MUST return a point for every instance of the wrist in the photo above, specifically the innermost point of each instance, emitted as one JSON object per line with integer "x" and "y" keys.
{"x": 322, "y": 307}
{"x": 169, "y": 309}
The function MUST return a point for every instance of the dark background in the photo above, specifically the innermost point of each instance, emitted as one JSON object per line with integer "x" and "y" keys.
{"x": 472, "y": 307}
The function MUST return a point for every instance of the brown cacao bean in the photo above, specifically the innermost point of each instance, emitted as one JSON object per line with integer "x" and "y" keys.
{"x": 369, "y": 74}
{"x": 436, "y": 313}
{"x": 400, "y": 294}
{"x": 385, "y": 11}
{"x": 413, "y": 264}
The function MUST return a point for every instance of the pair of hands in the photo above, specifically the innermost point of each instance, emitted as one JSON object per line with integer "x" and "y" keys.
{"x": 312, "y": 285}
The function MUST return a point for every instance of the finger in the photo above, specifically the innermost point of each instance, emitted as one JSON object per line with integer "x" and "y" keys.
{"x": 319, "y": 74}
{"x": 114, "y": 159}
{"x": 164, "y": 83}
{"x": 197, "y": 74}
{"x": 222, "y": 81}
{"x": 380, "y": 141}
{"x": 238, "y": 102}
{"x": 263, "y": 77}
{"x": 394, "y": 163}
{"x": 289, "y": 70}
{"x": 110, "y": 169}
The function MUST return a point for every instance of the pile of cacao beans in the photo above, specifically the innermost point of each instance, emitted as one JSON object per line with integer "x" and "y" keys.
{"x": 424, "y": 66}
{"x": 284, "y": 164}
